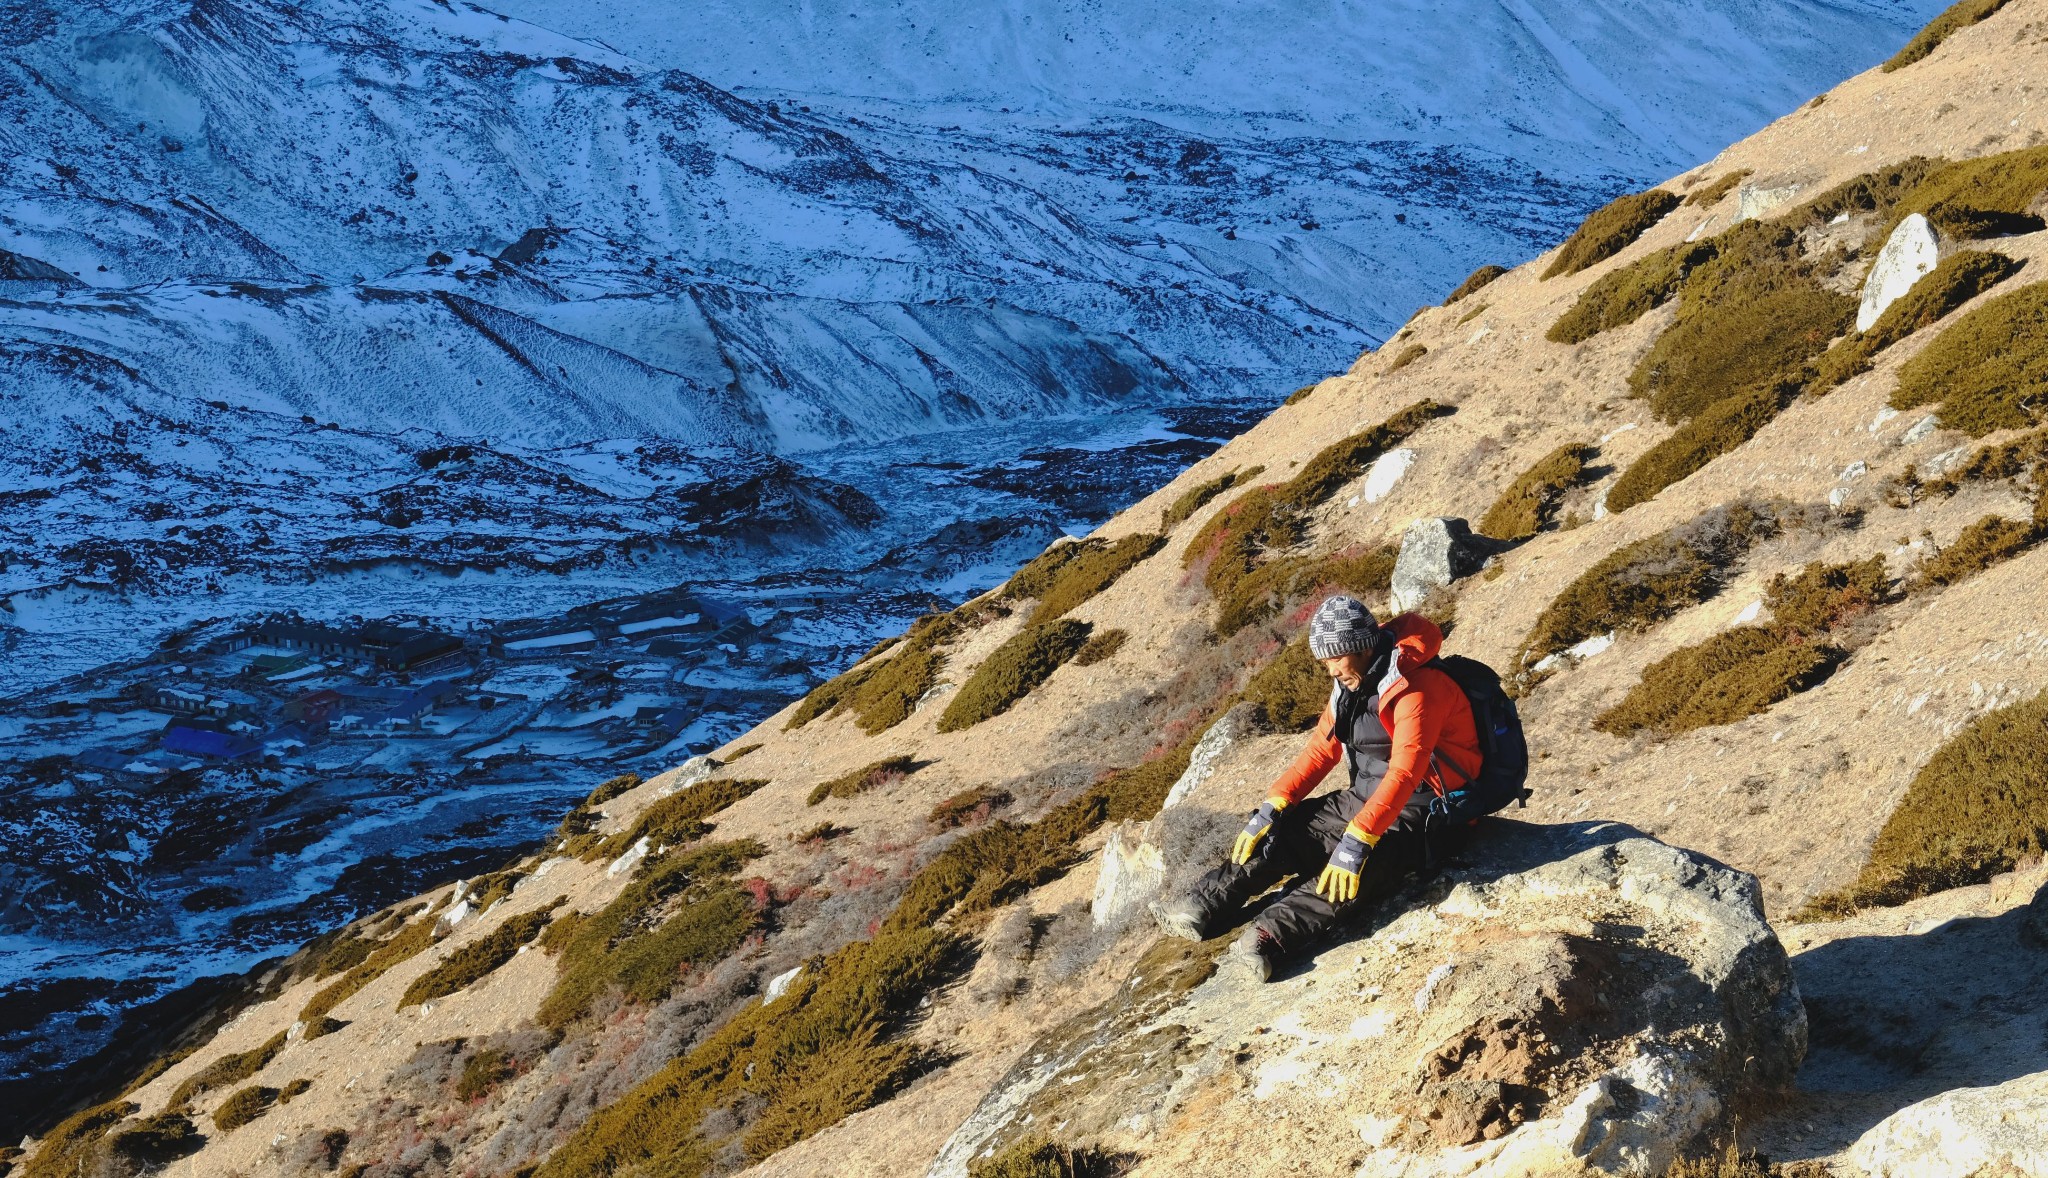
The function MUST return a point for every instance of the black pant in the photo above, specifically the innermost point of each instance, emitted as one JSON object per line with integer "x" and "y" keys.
{"x": 1299, "y": 844}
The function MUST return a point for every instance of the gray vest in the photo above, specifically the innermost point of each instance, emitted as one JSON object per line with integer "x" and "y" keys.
{"x": 1367, "y": 744}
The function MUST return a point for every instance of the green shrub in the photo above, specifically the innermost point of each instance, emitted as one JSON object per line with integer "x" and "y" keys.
{"x": 1877, "y": 192}
{"x": 1643, "y": 583}
{"x": 1611, "y": 229}
{"x": 1720, "y": 428}
{"x": 228, "y": 1069}
{"x": 1530, "y": 503}
{"x": 1991, "y": 540}
{"x": 1474, "y": 281}
{"x": 467, "y": 965}
{"x": 1987, "y": 370}
{"x": 1299, "y": 395}
{"x": 1012, "y": 671}
{"x": 865, "y": 778}
{"x": 1096, "y": 567}
{"x": 1978, "y": 807}
{"x": 1733, "y": 675}
{"x": 679, "y": 817}
{"x": 682, "y": 911}
{"x": 2009, "y": 459}
{"x": 1957, "y": 16}
{"x": 1822, "y": 598}
{"x": 1235, "y": 540}
{"x": 739, "y": 752}
{"x": 1291, "y": 689}
{"x": 1198, "y": 496}
{"x": 410, "y": 940}
{"x": 1983, "y": 197}
{"x": 244, "y": 1107}
{"x": 882, "y": 693}
{"x": 1273, "y": 587}
{"x": 1956, "y": 280}
{"x": 823, "y": 832}
{"x": 491, "y": 887}
{"x": 1100, "y": 647}
{"x": 1472, "y": 314}
{"x": 1722, "y": 186}
{"x": 1038, "y": 1156}
{"x": 1627, "y": 293}
{"x": 963, "y": 807}
{"x": 1752, "y": 316}
{"x": 1406, "y": 356}
{"x": 610, "y": 788}
{"x": 157, "y": 1140}
{"x": 67, "y": 1150}
{"x": 484, "y": 1072}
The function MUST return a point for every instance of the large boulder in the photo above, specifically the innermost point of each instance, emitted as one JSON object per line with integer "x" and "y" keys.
{"x": 1434, "y": 552}
{"x": 1909, "y": 253}
{"x": 2000, "y": 1130}
{"x": 1571, "y": 998}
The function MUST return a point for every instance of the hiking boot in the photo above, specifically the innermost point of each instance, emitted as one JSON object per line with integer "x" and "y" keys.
{"x": 1178, "y": 918}
{"x": 1255, "y": 953}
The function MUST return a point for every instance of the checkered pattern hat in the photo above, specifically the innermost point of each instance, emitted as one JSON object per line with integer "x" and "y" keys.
{"x": 1341, "y": 625}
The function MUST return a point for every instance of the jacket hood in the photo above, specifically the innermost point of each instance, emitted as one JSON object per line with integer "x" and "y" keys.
{"x": 1416, "y": 641}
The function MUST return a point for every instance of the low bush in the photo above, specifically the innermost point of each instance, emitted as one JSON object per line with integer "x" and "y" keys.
{"x": 1956, "y": 280}
{"x": 1722, "y": 186}
{"x": 1611, "y": 229}
{"x": 1991, "y": 540}
{"x": 611, "y": 788}
{"x": 1100, "y": 647}
{"x": 67, "y": 1150}
{"x": 228, "y": 1070}
{"x": 1877, "y": 193}
{"x": 822, "y": 833}
{"x": 1822, "y": 598}
{"x": 1299, "y": 395}
{"x": 1407, "y": 356}
{"x": 1733, "y": 675}
{"x": 1627, "y": 293}
{"x": 1474, "y": 281}
{"x": 882, "y": 693}
{"x": 1275, "y": 586}
{"x": 244, "y": 1107}
{"x": 483, "y": 1073}
{"x": 1038, "y": 1156}
{"x": 1988, "y": 369}
{"x": 1012, "y": 671}
{"x": 1720, "y": 428}
{"x": 2013, "y": 458}
{"x": 1096, "y": 567}
{"x": 1474, "y": 313}
{"x": 865, "y": 778}
{"x": 1753, "y": 316}
{"x": 1960, "y": 15}
{"x": 1291, "y": 689}
{"x": 1976, "y": 809}
{"x": 968, "y": 806}
{"x": 1530, "y": 503}
{"x": 157, "y": 1140}
{"x": 739, "y": 752}
{"x": 680, "y": 817}
{"x": 1235, "y": 541}
{"x": 1645, "y": 582}
{"x": 470, "y": 963}
{"x": 1198, "y": 496}
{"x": 410, "y": 940}
{"x": 1984, "y": 197}
{"x": 491, "y": 887}
{"x": 682, "y": 911}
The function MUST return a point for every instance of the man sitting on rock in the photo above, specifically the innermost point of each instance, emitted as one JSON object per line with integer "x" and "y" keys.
{"x": 1399, "y": 723}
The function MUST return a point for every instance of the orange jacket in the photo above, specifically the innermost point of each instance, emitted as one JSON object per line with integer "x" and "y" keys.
{"x": 1422, "y": 710}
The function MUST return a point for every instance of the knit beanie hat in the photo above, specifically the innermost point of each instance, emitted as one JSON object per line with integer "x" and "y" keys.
{"x": 1341, "y": 625}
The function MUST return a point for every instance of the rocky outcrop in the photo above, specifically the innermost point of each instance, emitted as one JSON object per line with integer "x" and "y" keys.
{"x": 2000, "y": 1130}
{"x": 1434, "y": 552}
{"x": 1910, "y": 252}
{"x": 1572, "y": 997}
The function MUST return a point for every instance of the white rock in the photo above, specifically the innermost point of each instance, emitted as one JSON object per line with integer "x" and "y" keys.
{"x": 1434, "y": 552}
{"x": 1132, "y": 873}
{"x": 1427, "y": 993}
{"x": 1600, "y": 510}
{"x": 779, "y": 984}
{"x": 631, "y": 859}
{"x": 1597, "y": 644}
{"x": 1386, "y": 471}
{"x": 1481, "y": 334}
{"x": 457, "y": 914}
{"x": 1996, "y": 1130}
{"x": 1945, "y": 461}
{"x": 1838, "y": 496}
{"x": 1883, "y": 415}
{"x": 1854, "y": 470}
{"x": 1749, "y": 612}
{"x": 1617, "y": 431}
{"x": 1208, "y": 751}
{"x": 1920, "y": 431}
{"x": 1912, "y": 250}
{"x": 1752, "y": 201}
{"x": 690, "y": 773}
{"x": 1699, "y": 229}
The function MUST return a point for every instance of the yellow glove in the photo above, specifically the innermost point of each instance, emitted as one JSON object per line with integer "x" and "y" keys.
{"x": 1339, "y": 882}
{"x": 1255, "y": 829}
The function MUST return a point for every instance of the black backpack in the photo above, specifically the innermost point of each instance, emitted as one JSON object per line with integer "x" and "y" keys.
{"x": 1504, "y": 771}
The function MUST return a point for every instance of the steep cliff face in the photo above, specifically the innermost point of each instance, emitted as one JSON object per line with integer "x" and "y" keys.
{"x": 1768, "y": 589}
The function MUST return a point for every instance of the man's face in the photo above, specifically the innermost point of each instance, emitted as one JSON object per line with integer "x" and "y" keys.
{"x": 1347, "y": 669}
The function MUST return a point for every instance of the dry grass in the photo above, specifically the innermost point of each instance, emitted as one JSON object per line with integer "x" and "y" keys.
{"x": 408, "y": 942}
{"x": 1722, "y": 186}
{"x": 1611, "y": 229}
{"x": 1038, "y": 1156}
{"x": 226, "y": 1071}
{"x": 1276, "y": 586}
{"x": 1101, "y": 647}
{"x": 1960, "y": 15}
{"x": 968, "y": 807}
{"x": 1991, "y": 540}
{"x": 1198, "y": 496}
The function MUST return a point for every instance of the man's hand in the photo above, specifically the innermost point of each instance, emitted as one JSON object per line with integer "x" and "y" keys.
{"x": 1254, "y": 830}
{"x": 1339, "y": 882}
